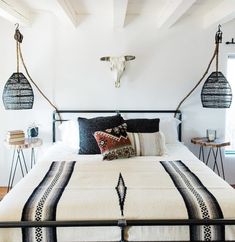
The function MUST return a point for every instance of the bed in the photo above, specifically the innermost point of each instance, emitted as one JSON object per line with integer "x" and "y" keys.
{"x": 71, "y": 197}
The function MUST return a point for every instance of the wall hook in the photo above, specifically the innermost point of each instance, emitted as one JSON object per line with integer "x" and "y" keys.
{"x": 230, "y": 42}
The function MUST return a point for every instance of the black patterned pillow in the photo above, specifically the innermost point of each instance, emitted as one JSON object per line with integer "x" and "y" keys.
{"x": 87, "y": 127}
{"x": 142, "y": 125}
{"x": 114, "y": 143}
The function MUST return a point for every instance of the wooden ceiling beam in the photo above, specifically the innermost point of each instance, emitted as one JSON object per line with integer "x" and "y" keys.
{"x": 14, "y": 11}
{"x": 119, "y": 13}
{"x": 172, "y": 11}
{"x": 69, "y": 11}
{"x": 221, "y": 14}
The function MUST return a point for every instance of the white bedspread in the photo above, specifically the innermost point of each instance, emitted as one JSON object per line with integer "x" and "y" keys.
{"x": 91, "y": 195}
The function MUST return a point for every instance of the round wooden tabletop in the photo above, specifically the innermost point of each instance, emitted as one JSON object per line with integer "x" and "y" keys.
{"x": 25, "y": 144}
{"x": 203, "y": 141}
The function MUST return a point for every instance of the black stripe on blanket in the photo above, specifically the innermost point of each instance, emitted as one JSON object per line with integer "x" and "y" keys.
{"x": 200, "y": 203}
{"x": 42, "y": 204}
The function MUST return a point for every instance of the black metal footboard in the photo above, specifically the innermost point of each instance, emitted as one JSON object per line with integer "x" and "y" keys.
{"x": 122, "y": 224}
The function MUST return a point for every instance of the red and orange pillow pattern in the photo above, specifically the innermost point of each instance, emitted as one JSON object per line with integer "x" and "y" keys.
{"x": 114, "y": 143}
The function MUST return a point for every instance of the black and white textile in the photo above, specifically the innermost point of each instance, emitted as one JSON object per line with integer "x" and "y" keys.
{"x": 175, "y": 186}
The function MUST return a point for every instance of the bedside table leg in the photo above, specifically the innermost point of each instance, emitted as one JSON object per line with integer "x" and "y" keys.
{"x": 32, "y": 157}
{"x": 19, "y": 159}
{"x": 13, "y": 177}
{"x": 25, "y": 166}
{"x": 215, "y": 154}
{"x": 208, "y": 156}
{"x": 11, "y": 171}
{"x": 222, "y": 163}
{"x": 201, "y": 153}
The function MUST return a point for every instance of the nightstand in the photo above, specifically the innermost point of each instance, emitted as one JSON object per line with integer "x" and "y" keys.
{"x": 18, "y": 157}
{"x": 214, "y": 149}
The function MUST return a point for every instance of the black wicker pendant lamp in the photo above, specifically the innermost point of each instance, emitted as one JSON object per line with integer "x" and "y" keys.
{"x": 18, "y": 93}
{"x": 216, "y": 91}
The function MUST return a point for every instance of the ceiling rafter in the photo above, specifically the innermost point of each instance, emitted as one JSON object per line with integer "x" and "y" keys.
{"x": 223, "y": 13}
{"x": 119, "y": 13}
{"x": 172, "y": 11}
{"x": 69, "y": 11}
{"x": 15, "y": 12}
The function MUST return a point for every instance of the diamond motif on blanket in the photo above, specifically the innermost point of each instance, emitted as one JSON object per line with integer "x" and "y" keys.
{"x": 121, "y": 191}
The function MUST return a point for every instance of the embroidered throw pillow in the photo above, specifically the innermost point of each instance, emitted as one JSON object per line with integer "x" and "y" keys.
{"x": 87, "y": 127}
{"x": 114, "y": 143}
{"x": 148, "y": 144}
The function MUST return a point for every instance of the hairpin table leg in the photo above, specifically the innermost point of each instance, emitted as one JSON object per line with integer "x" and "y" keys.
{"x": 201, "y": 153}
{"x": 215, "y": 152}
{"x": 11, "y": 171}
{"x": 33, "y": 160}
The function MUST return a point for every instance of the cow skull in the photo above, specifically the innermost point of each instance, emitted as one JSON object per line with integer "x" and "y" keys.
{"x": 117, "y": 65}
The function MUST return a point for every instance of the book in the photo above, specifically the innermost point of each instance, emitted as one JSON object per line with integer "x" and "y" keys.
{"x": 15, "y": 132}
{"x": 15, "y": 136}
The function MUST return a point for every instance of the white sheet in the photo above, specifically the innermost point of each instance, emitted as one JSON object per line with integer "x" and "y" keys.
{"x": 91, "y": 195}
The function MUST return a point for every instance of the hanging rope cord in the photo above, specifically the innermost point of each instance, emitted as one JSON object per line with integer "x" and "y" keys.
{"x": 218, "y": 40}
{"x": 19, "y": 38}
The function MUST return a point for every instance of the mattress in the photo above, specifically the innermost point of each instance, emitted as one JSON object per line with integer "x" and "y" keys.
{"x": 67, "y": 186}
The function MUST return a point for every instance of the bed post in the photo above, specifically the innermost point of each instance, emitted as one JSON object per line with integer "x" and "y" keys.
{"x": 53, "y": 126}
{"x": 180, "y": 125}
{"x": 122, "y": 225}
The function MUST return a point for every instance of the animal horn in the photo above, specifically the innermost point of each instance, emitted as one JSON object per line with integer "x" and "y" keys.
{"x": 129, "y": 57}
{"x": 105, "y": 58}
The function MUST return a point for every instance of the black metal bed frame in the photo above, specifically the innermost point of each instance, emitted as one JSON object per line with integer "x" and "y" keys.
{"x": 55, "y": 113}
{"x": 121, "y": 223}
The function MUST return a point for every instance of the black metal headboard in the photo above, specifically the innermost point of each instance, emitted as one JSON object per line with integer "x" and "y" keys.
{"x": 55, "y": 114}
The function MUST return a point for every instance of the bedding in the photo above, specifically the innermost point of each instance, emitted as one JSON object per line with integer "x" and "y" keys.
{"x": 142, "y": 125}
{"x": 67, "y": 186}
{"x": 87, "y": 127}
{"x": 114, "y": 143}
{"x": 69, "y": 130}
{"x": 69, "y": 133}
{"x": 148, "y": 144}
{"x": 169, "y": 127}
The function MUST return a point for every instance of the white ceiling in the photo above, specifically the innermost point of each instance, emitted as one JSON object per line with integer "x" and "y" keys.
{"x": 166, "y": 13}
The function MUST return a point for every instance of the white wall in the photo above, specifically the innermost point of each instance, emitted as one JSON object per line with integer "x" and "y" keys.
{"x": 64, "y": 61}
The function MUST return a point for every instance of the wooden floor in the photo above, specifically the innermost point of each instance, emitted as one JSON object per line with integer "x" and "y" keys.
{"x": 3, "y": 191}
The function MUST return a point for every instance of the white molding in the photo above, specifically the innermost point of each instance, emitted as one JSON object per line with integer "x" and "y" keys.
{"x": 223, "y": 13}
{"x": 172, "y": 11}
{"x": 119, "y": 13}
{"x": 14, "y": 12}
{"x": 69, "y": 11}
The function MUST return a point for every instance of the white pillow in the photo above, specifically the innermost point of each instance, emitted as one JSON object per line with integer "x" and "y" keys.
{"x": 169, "y": 127}
{"x": 69, "y": 133}
{"x": 148, "y": 144}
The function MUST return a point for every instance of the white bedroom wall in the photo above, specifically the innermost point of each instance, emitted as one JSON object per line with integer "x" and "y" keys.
{"x": 64, "y": 61}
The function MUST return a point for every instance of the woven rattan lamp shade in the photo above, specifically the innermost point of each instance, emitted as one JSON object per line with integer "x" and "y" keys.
{"x": 18, "y": 93}
{"x": 216, "y": 91}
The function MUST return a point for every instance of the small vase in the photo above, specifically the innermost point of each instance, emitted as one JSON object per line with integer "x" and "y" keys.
{"x": 32, "y": 132}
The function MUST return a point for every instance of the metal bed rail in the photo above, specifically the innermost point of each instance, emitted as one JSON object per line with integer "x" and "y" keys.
{"x": 122, "y": 224}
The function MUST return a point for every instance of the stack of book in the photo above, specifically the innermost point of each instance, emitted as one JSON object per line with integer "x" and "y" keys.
{"x": 15, "y": 136}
